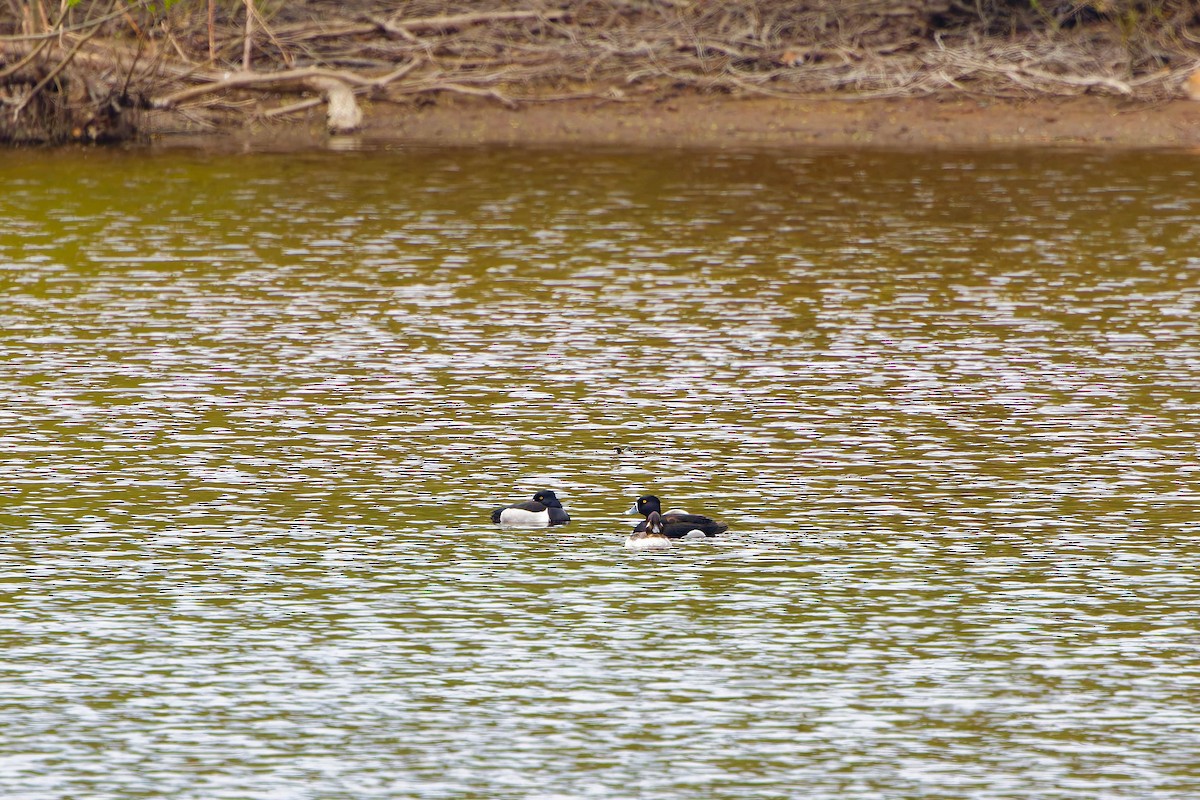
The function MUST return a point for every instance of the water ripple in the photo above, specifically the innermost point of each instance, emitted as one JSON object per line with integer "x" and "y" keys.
{"x": 256, "y": 411}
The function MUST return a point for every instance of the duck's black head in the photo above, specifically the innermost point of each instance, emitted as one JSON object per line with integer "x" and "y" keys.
{"x": 645, "y": 505}
{"x": 547, "y": 498}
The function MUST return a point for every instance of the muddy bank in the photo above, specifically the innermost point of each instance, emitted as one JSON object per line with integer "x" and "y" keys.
{"x": 749, "y": 121}
{"x": 731, "y": 121}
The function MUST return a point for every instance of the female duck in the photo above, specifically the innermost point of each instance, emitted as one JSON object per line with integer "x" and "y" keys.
{"x": 541, "y": 512}
{"x": 649, "y": 535}
{"x": 676, "y": 524}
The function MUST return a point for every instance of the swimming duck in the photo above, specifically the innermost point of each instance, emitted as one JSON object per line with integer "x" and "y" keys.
{"x": 541, "y": 512}
{"x": 649, "y": 535}
{"x": 676, "y": 524}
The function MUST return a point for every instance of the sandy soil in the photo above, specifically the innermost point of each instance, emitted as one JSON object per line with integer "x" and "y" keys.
{"x": 726, "y": 121}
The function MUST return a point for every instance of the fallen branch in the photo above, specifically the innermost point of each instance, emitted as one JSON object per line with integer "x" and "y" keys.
{"x": 335, "y": 86}
{"x": 457, "y": 88}
{"x": 279, "y": 80}
{"x": 1080, "y": 80}
{"x": 453, "y": 22}
{"x": 293, "y": 108}
{"x": 406, "y": 29}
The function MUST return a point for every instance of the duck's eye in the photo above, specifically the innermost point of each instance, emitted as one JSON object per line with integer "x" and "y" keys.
{"x": 539, "y": 497}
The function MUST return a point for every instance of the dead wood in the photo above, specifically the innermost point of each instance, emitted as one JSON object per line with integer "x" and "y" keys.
{"x": 337, "y": 87}
{"x": 453, "y": 22}
{"x": 213, "y": 56}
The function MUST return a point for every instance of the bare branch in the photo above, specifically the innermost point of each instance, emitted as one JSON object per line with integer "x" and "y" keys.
{"x": 54, "y": 73}
{"x": 280, "y": 80}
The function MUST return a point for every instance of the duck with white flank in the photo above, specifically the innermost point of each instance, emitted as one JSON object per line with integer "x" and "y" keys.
{"x": 649, "y": 535}
{"x": 542, "y": 511}
{"x": 675, "y": 524}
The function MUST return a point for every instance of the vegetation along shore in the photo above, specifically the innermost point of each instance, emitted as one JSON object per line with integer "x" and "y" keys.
{"x": 877, "y": 72}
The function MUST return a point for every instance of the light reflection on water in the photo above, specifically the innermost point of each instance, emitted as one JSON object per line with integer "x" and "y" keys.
{"x": 254, "y": 412}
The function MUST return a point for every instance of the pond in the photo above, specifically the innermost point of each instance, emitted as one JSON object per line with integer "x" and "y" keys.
{"x": 256, "y": 410}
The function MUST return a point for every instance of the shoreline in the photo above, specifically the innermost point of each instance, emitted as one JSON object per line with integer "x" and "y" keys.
{"x": 733, "y": 121}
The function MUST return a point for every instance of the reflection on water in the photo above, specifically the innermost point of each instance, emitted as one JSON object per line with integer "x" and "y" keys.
{"x": 255, "y": 411}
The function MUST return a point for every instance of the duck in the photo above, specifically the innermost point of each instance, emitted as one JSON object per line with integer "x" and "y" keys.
{"x": 675, "y": 524}
{"x": 542, "y": 511}
{"x": 649, "y": 535}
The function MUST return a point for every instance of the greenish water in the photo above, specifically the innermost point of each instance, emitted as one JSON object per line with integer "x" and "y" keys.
{"x": 255, "y": 411}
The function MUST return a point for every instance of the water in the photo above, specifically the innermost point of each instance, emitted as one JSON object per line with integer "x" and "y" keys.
{"x": 255, "y": 411}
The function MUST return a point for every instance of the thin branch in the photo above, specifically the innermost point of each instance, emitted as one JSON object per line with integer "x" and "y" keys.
{"x": 262, "y": 23}
{"x": 407, "y": 28}
{"x": 248, "y": 40}
{"x": 19, "y": 65}
{"x": 453, "y": 22}
{"x": 82, "y": 26}
{"x": 212, "y": 32}
{"x": 277, "y": 80}
{"x": 458, "y": 88}
{"x": 292, "y": 108}
{"x": 54, "y": 73}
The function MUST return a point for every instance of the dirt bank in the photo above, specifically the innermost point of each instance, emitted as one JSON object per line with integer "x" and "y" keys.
{"x": 691, "y": 120}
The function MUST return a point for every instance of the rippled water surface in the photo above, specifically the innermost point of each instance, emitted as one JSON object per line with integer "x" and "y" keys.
{"x": 255, "y": 411}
